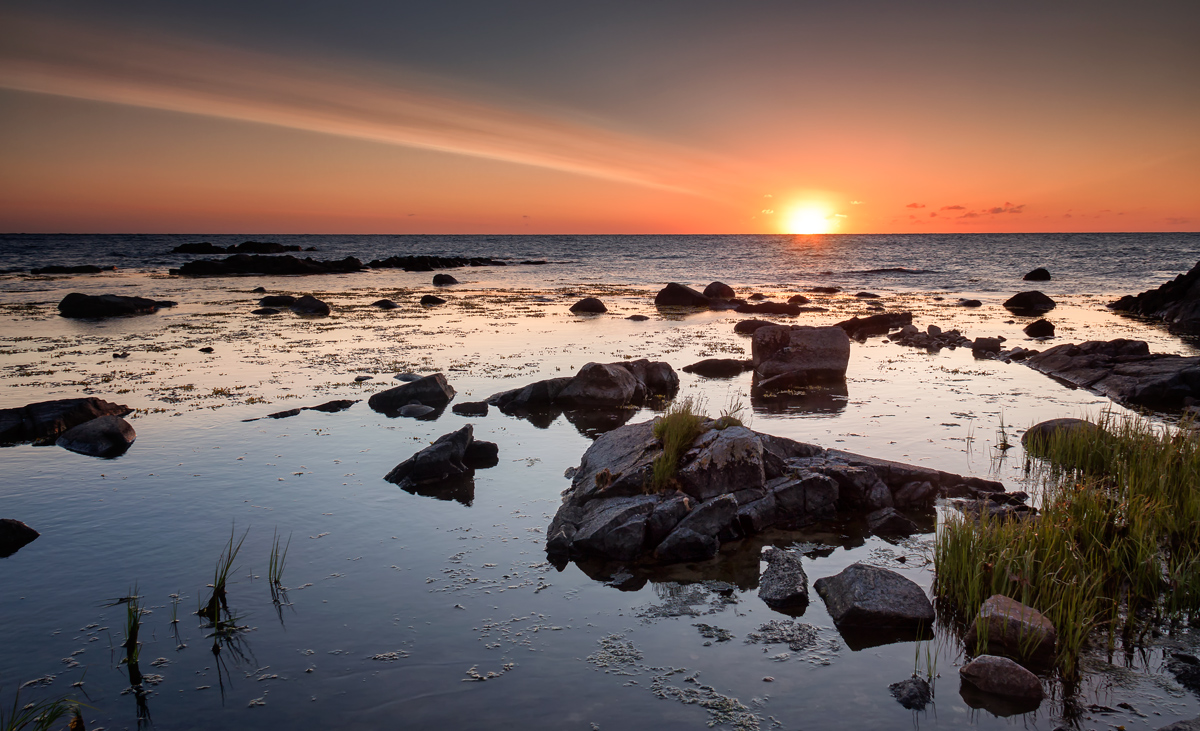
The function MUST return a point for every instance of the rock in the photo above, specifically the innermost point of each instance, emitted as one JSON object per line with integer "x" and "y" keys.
{"x": 588, "y": 305}
{"x": 1001, "y": 676}
{"x": 757, "y": 296}
{"x": 442, "y": 280}
{"x": 424, "y": 263}
{"x": 1189, "y": 725}
{"x": 407, "y": 377}
{"x": 481, "y": 454}
{"x": 537, "y": 395}
{"x": 431, "y": 391}
{"x": 106, "y": 436}
{"x": 81, "y": 269}
{"x": 1186, "y": 669}
{"x": 825, "y": 290}
{"x": 385, "y": 304}
{"x": 1040, "y": 329}
{"x": 770, "y": 308}
{"x": 615, "y": 528}
{"x": 1037, "y": 437}
{"x": 667, "y": 514}
{"x": 277, "y": 300}
{"x": 429, "y": 300}
{"x": 206, "y": 349}
{"x": 471, "y": 408}
{"x": 415, "y": 411}
{"x": 1012, "y": 629}
{"x": 247, "y": 264}
{"x": 862, "y": 327}
{"x": 259, "y": 290}
{"x": 798, "y": 299}
{"x": 1029, "y": 303}
{"x": 616, "y": 464}
{"x": 986, "y": 345}
{"x": 360, "y": 379}
{"x": 890, "y": 522}
{"x": 678, "y": 295}
{"x": 799, "y": 500}
{"x": 686, "y": 545}
{"x": 731, "y": 456}
{"x": 719, "y": 290}
{"x": 637, "y": 318}
{"x": 784, "y": 583}
{"x": 747, "y": 327}
{"x": 915, "y": 494}
{"x": 1176, "y": 303}
{"x": 286, "y": 414}
{"x": 1037, "y": 275}
{"x": 805, "y": 354}
{"x": 869, "y": 597}
{"x": 914, "y": 693}
{"x": 265, "y": 311}
{"x": 969, "y": 303}
{"x": 598, "y": 384}
{"x": 440, "y": 461}
{"x": 717, "y": 367}
{"x": 14, "y": 535}
{"x": 203, "y": 247}
{"x": 332, "y": 407}
{"x": 309, "y": 305}
{"x": 866, "y": 296}
{"x": 44, "y": 421}
{"x": 95, "y": 307}
{"x": 1125, "y": 371}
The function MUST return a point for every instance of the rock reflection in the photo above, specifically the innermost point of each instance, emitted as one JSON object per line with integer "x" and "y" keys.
{"x": 459, "y": 489}
{"x": 828, "y": 398}
{"x": 998, "y": 705}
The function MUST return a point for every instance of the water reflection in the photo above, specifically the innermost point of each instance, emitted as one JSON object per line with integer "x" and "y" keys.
{"x": 824, "y": 399}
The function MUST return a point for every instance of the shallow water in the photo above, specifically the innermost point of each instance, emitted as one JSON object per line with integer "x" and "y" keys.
{"x": 396, "y": 599}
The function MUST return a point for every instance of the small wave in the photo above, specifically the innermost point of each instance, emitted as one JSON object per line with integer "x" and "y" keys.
{"x": 893, "y": 270}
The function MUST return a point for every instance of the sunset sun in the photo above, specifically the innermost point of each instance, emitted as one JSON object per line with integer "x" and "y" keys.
{"x": 808, "y": 221}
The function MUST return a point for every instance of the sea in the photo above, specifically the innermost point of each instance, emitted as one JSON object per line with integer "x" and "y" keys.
{"x": 407, "y": 610}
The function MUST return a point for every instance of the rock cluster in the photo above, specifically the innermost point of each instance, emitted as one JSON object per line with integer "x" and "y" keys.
{"x": 80, "y": 269}
{"x": 45, "y": 421}
{"x": 98, "y": 306}
{"x": 731, "y": 483}
{"x": 596, "y": 385}
{"x": 1176, "y": 303}
{"x": 255, "y": 264}
{"x": 446, "y": 468}
{"x": 932, "y": 339}
{"x": 860, "y": 328}
{"x": 246, "y": 247}
{"x": 430, "y": 263}
{"x": 1125, "y": 371}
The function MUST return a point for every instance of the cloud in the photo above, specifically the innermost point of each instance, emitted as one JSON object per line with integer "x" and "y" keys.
{"x": 954, "y": 208}
{"x": 856, "y": 203}
{"x": 933, "y": 214}
{"x": 915, "y": 205}
{"x": 322, "y": 95}
{"x": 970, "y": 214}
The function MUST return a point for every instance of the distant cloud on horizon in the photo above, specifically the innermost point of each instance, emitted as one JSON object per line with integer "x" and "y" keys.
{"x": 915, "y": 205}
{"x": 954, "y": 208}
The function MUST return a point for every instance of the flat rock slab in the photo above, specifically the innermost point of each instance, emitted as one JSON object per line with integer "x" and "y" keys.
{"x": 1125, "y": 371}
{"x": 1001, "y": 676}
{"x": 44, "y": 421}
{"x": 870, "y": 597}
{"x": 107, "y": 436}
{"x": 1176, "y": 303}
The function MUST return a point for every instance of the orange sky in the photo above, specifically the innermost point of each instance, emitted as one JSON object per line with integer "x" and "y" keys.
{"x": 118, "y": 127}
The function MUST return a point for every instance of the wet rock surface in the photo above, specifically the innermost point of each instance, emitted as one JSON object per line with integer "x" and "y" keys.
{"x": 872, "y": 598}
{"x": 1011, "y": 629}
{"x": 106, "y": 436}
{"x": 1125, "y": 371}
{"x": 784, "y": 585}
{"x": 14, "y": 535}
{"x": 44, "y": 421}
{"x": 596, "y": 385}
{"x": 1175, "y": 303}
{"x": 1001, "y": 676}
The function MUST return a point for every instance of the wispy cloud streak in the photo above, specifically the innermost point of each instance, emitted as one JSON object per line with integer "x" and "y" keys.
{"x": 362, "y": 103}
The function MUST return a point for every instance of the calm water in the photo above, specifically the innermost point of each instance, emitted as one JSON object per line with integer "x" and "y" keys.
{"x": 397, "y": 599}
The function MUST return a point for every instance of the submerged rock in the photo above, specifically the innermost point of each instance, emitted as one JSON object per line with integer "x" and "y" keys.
{"x": 784, "y": 583}
{"x": 277, "y": 300}
{"x": 14, "y": 535}
{"x": 1001, "y": 676}
{"x": 717, "y": 367}
{"x": 106, "y": 436}
{"x": 431, "y": 390}
{"x": 1013, "y": 630}
{"x": 98, "y": 306}
{"x": 385, "y": 304}
{"x": 265, "y": 311}
{"x": 44, "y": 421}
{"x": 770, "y": 308}
{"x": 870, "y": 597}
{"x": 914, "y": 693}
{"x": 890, "y": 522}
{"x": 415, "y": 411}
{"x": 1176, "y": 303}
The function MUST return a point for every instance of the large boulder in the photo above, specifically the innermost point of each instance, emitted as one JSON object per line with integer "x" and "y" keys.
{"x": 44, "y": 421}
{"x": 1001, "y": 676}
{"x": 13, "y": 535}
{"x": 784, "y": 583}
{"x": 804, "y": 354}
{"x": 1029, "y": 303}
{"x": 98, "y": 306}
{"x": 431, "y": 390}
{"x": 598, "y": 384}
{"x": 106, "y": 436}
{"x": 1037, "y": 437}
{"x": 1175, "y": 303}
{"x": 678, "y": 295}
{"x": 869, "y": 597}
{"x": 1012, "y": 629}
{"x": 719, "y": 290}
{"x": 587, "y": 306}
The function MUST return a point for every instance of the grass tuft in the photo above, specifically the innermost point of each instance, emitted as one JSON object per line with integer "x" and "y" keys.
{"x": 219, "y": 600}
{"x": 675, "y": 430}
{"x": 38, "y": 716}
{"x": 275, "y": 568}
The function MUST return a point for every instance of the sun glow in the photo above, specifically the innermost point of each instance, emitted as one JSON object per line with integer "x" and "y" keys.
{"x": 809, "y": 221}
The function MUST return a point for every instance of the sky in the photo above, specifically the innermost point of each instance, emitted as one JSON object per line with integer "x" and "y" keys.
{"x": 483, "y": 116}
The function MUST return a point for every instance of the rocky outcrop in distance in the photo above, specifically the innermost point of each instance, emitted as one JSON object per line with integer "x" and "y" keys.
{"x": 732, "y": 483}
{"x": 246, "y": 247}
{"x": 240, "y": 264}
{"x": 99, "y": 306}
{"x": 81, "y": 269}
{"x": 1175, "y": 303}
{"x": 424, "y": 263}
{"x": 1125, "y": 371}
